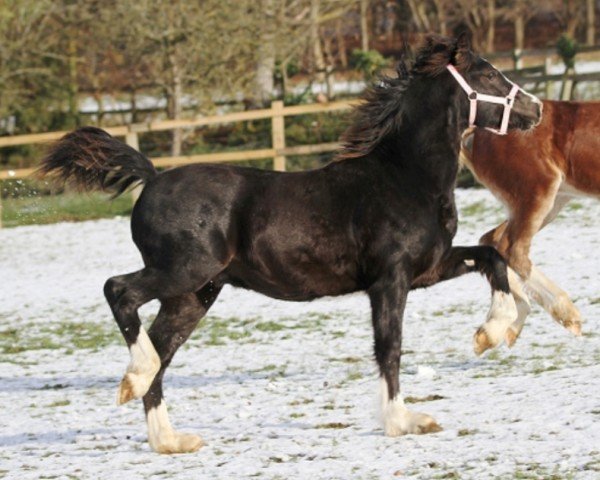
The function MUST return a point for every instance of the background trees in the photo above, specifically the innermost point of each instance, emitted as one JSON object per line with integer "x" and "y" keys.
{"x": 189, "y": 57}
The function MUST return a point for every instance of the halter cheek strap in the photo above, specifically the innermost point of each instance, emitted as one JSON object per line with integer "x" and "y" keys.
{"x": 474, "y": 97}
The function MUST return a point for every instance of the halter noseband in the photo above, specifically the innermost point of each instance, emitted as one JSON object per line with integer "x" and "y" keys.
{"x": 474, "y": 96}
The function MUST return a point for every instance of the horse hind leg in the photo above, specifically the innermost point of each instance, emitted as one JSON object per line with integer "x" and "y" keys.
{"x": 125, "y": 295}
{"x": 176, "y": 320}
{"x": 515, "y": 247}
{"x": 523, "y": 308}
{"x": 554, "y": 300}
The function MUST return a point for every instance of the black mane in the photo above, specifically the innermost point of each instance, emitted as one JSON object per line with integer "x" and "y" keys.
{"x": 378, "y": 114}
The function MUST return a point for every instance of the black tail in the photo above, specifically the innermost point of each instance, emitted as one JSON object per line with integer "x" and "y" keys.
{"x": 92, "y": 159}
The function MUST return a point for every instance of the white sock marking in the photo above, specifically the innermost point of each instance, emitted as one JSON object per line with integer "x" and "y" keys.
{"x": 399, "y": 420}
{"x": 142, "y": 368}
{"x": 161, "y": 436}
{"x": 503, "y": 312}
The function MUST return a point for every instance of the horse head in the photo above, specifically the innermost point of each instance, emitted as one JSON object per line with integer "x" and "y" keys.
{"x": 491, "y": 100}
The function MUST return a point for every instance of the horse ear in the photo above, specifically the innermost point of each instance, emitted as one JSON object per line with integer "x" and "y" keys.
{"x": 462, "y": 54}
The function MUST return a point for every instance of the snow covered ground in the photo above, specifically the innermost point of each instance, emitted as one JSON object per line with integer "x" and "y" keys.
{"x": 285, "y": 390}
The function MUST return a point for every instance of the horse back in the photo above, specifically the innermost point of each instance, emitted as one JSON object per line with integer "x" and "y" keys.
{"x": 564, "y": 146}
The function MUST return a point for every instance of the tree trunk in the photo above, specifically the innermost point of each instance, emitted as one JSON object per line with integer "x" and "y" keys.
{"x": 364, "y": 25}
{"x": 133, "y": 106}
{"x": 263, "y": 90}
{"x": 174, "y": 106}
{"x": 520, "y": 26}
{"x": 341, "y": 44}
{"x": 315, "y": 41}
{"x": 441, "y": 15}
{"x": 590, "y": 36}
{"x": 491, "y": 31}
{"x": 419, "y": 15}
{"x": 73, "y": 87}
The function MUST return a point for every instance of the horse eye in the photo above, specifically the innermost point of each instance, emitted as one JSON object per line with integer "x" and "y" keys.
{"x": 492, "y": 75}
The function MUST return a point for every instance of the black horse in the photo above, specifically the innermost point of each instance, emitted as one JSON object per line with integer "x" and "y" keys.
{"x": 380, "y": 219}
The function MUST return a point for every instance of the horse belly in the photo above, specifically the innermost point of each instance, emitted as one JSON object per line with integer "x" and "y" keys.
{"x": 294, "y": 276}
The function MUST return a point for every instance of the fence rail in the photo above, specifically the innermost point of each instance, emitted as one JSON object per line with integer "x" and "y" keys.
{"x": 278, "y": 150}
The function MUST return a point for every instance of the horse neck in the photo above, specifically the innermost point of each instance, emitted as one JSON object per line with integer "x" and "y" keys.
{"x": 427, "y": 140}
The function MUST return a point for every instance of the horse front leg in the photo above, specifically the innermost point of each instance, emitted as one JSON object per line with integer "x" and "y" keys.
{"x": 503, "y": 311}
{"x": 388, "y": 299}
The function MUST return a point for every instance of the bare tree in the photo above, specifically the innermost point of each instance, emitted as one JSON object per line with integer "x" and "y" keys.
{"x": 27, "y": 62}
{"x": 590, "y": 36}
{"x": 480, "y": 17}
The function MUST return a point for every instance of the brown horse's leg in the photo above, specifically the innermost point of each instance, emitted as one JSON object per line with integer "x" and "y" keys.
{"x": 535, "y": 208}
{"x": 497, "y": 238}
{"x": 513, "y": 240}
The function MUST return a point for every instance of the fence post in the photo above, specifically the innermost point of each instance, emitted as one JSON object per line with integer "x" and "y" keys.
{"x": 278, "y": 134}
{"x": 566, "y": 92}
{"x": 547, "y": 65}
{"x": 518, "y": 58}
{"x": 131, "y": 139}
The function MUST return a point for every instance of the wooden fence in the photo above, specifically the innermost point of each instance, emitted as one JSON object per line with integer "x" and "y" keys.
{"x": 277, "y": 152}
{"x": 537, "y": 75}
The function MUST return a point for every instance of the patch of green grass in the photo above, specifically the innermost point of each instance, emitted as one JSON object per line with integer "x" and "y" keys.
{"x": 541, "y": 369}
{"x": 463, "y": 432}
{"x": 59, "y": 403}
{"x": 66, "y": 207}
{"x": 304, "y": 401}
{"x": 333, "y": 425}
{"x": 475, "y": 208}
{"x": 428, "y": 398}
{"x": 594, "y": 465}
{"x": 573, "y": 206}
{"x": 447, "y": 475}
{"x": 59, "y": 335}
{"x": 354, "y": 375}
{"x": 269, "y": 326}
{"x": 346, "y": 359}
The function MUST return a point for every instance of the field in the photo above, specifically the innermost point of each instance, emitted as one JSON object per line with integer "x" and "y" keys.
{"x": 288, "y": 390}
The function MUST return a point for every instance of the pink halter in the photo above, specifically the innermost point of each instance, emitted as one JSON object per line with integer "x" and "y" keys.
{"x": 474, "y": 97}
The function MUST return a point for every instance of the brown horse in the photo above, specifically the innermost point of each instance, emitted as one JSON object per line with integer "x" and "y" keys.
{"x": 534, "y": 174}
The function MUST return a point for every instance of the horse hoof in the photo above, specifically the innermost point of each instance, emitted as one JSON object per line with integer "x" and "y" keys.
{"x": 510, "y": 337}
{"x": 125, "y": 391}
{"x": 566, "y": 314}
{"x": 132, "y": 386}
{"x": 406, "y": 422}
{"x": 575, "y": 328}
{"x": 481, "y": 341}
{"x": 179, "y": 443}
{"x": 431, "y": 427}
